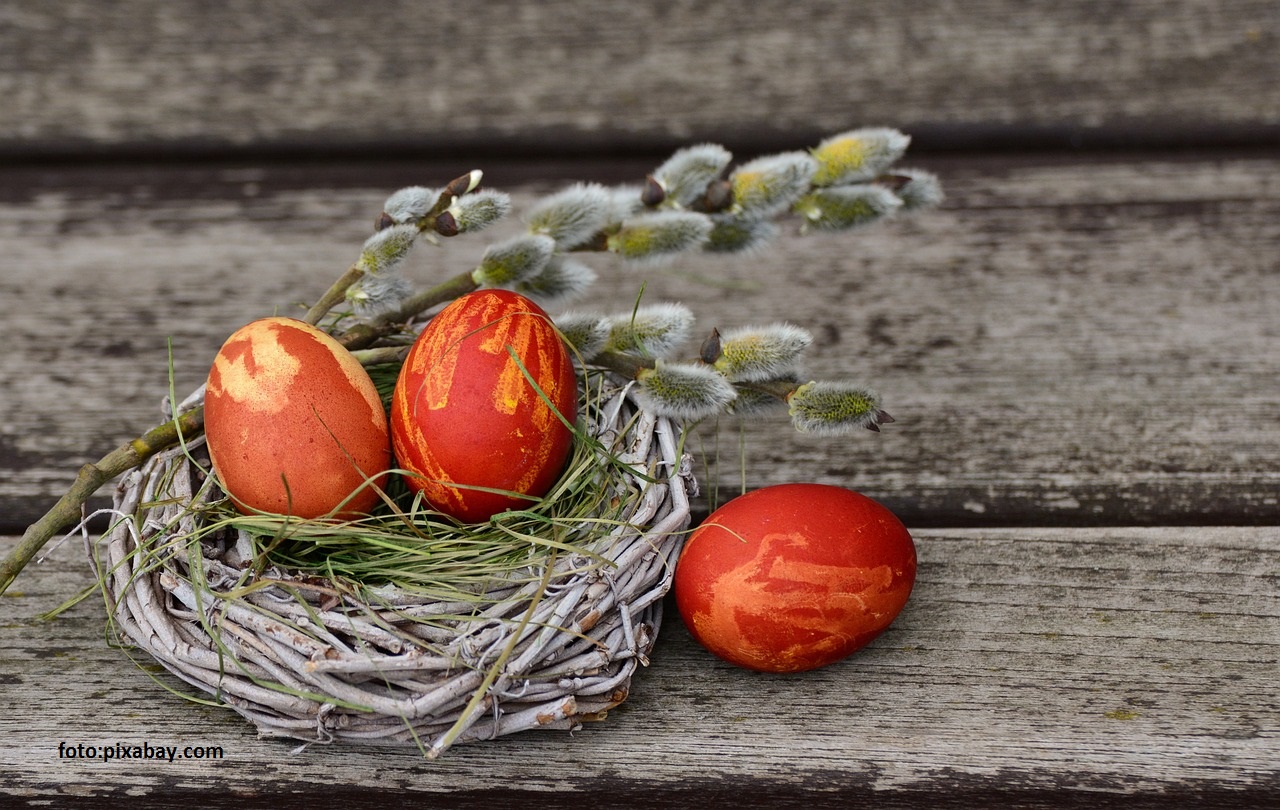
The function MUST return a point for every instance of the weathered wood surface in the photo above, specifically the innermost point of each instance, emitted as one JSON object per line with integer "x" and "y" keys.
{"x": 1080, "y": 349}
{"x": 1090, "y": 341}
{"x": 1032, "y": 668}
{"x": 159, "y": 78}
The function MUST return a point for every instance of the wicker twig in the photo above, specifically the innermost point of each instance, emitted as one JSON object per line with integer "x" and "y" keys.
{"x": 308, "y": 662}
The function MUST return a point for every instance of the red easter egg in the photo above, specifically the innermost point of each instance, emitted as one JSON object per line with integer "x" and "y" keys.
{"x": 794, "y": 577}
{"x": 464, "y": 414}
{"x": 293, "y": 423}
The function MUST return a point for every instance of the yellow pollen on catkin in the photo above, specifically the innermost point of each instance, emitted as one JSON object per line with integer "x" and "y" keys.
{"x": 746, "y": 182}
{"x": 837, "y": 158}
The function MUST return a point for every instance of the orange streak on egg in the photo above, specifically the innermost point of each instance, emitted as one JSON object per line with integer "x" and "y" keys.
{"x": 794, "y": 576}
{"x": 817, "y": 601}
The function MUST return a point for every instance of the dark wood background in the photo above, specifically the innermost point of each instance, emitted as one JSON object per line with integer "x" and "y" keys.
{"x": 1080, "y": 348}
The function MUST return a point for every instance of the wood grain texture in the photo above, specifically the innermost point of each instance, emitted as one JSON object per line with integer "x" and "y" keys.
{"x": 1070, "y": 343}
{"x": 154, "y": 78}
{"x": 1031, "y": 668}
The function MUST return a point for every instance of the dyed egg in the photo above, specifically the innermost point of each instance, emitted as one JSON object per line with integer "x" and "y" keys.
{"x": 794, "y": 577}
{"x": 293, "y": 423}
{"x": 464, "y": 413}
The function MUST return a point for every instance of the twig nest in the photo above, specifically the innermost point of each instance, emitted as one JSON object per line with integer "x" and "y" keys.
{"x": 550, "y": 642}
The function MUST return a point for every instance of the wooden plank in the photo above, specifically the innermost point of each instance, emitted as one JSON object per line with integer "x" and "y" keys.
{"x": 1032, "y": 667}
{"x": 1063, "y": 342}
{"x": 151, "y": 77}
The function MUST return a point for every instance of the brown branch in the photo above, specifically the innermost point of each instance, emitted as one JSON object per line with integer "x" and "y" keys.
{"x": 67, "y": 511}
{"x": 364, "y": 334}
{"x": 622, "y": 364}
{"x": 335, "y": 295}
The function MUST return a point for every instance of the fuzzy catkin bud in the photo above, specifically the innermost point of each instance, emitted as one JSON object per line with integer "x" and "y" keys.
{"x": 683, "y": 391}
{"x": 687, "y": 173}
{"x": 767, "y": 186}
{"x": 625, "y": 202}
{"x": 730, "y": 234}
{"x": 514, "y": 260}
{"x": 465, "y": 184}
{"x": 652, "y": 331}
{"x": 372, "y": 295}
{"x": 409, "y": 205}
{"x": 754, "y": 354}
{"x": 858, "y": 155}
{"x": 842, "y": 207}
{"x": 572, "y": 216}
{"x": 753, "y": 402}
{"x": 561, "y": 280}
{"x": 922, "y": 189}
{"x": 477, "y": 211}
{"x": 386, "y": 248}
{"x": 586, "y": 332}
{"x": 660, "y": 235}
{"x": 833, "y": 408}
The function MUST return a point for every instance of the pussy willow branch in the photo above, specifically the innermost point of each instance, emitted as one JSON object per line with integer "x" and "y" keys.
{"x": 631, "y": 365}
{"x": 335, "y": 295}
{"x": 68, "y": 510}
{"x": 337, "y": 292}
{"x": 363, "y": 334}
